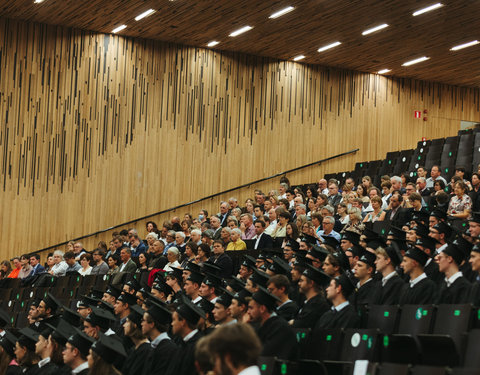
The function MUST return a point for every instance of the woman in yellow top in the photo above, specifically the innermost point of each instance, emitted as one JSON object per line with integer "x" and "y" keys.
{"x": 237, "y": 243}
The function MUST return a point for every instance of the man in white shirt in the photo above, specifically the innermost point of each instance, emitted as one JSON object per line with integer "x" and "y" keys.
{"x": 440, "y": 232}
{"x": 434, "y": 176}
{"x": 272, "y": 215}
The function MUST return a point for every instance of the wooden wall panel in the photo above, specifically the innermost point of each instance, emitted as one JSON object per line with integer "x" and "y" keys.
{"x": 98, "y": 129}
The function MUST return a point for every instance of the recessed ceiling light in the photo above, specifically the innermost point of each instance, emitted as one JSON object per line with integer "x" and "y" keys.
{"x": 244, "y": 29}
{"x": 328, "y": 46}
{"x": 213, "y": 43}
{"x": 427, "y": 9}
{"x": 464, "y": 45}
{"x": 282, "y": 12}
{"x": 144, "y": 14}
{"x": 299, "y": 57}
{"x": 38, "y": 1}
{"x": 376, "y": 28}
{"x": 416, "y": 61}
{"x": 119, "y": 28}
{"x": 383, "y": 71}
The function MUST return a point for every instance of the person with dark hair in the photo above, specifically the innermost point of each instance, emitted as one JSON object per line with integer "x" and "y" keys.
{"x": 26, "y": 269}
{"x": 76, "y": 351}
{"x": 100, "y": 267}
{"x": 435, "y": 175}
{"x": 73, "y": 266}
{"x": 25, "y": 351}
{"x": 279, "y": 286}
{"x": 387, "y": 289}
{"x": 137, "y": 360}
{"x": 112, "y": 262}
{"x": 103, "y": 354}
{"x": 364, "y": 271}
{"x": 45, "y": 365}
{"x": 5, "y": 269}
{"x": 395, "y": 213}
{"x": 151, "y": 226}
{"x": 37, "y": 268}
{"x": 221, "y": 259}
{"x": 85, "y": 260}
{"x": 8, "y": 364}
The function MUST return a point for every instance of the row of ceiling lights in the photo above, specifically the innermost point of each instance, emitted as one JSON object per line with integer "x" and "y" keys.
{"x": 288, "y": 9}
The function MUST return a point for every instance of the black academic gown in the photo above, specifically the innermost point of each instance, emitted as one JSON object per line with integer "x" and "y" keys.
{"x": 184, "y": 362}
{"x": 474, "y": 295}
{"x": 311, "y": 311}
{"x": 33, "y": 370}
{"x": 390, "y": 293}
{"x": 423, "y": 293}
{"x": 457, "y": 293}
{"x": 287, "y": 311}
{"x": 295, "y": 294}
{"x": 432, "y": 272}
{"x": 278, "y": 339}
{"x": 13, "y": 370}
{"x": 49, "y": 369}
{"x": 161, "y": 358}
{"x": 345, "y": 318}
{"x": 365, "y": 295}
{"x": 137, "y": 360}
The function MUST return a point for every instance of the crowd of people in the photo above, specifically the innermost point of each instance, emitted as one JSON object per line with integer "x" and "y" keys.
{"x": 313, "y": 257}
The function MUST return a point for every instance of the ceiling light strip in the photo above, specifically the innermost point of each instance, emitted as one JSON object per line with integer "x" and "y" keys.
{"x": 328, "y": 46}
{"x": 465, "y": 45}
{"x": 241, "y": 31}
{"x": 119, "y": 28}
{"x": 282, "y": 12}
{"x": 144, "y": 14}
{"x": 376, "y": 28}
{"x": 416, "y": 61}
{"x": 427, "y": 9}
{"x": 383, "y": 71}
{"x": 299, "y": 57}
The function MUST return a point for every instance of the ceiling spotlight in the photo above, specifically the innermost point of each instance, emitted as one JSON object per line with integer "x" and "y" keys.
{"x": 376, "y": 28}
{"x": 144, "y": 14}
{"x": 416, "y": 61}
{"x": 119, "y": 28}
{"x": 383, "y": 71}
{"x": 241, "y": 31}
{"x": 38, "y": 1}
{"x": 282, "y": 12}
{"x": 213, "y": 43}
{"x": 299, "y": 57}
{"x": 427, "y": 9}
{"x": 464, "y": 45}
{"x": 328, "y": 46}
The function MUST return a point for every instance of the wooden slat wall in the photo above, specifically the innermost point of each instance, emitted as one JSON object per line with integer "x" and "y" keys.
{"x": 98, "y": 129}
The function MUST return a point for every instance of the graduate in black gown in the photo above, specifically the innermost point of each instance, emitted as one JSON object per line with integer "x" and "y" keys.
{"x": 45, "y": 365}
{"x": 7, "y": 354}
{"x": 25, "y": 351}
{"x": 279, "y": 286}
{"x": 427, "y": 244}
{"x": 455, "y": 288}
{"x": 474, "y": 261}
{"x": 420, "y": 289}
{"x": 76, "y": 351}
{"x": 277, "y": 336}
{"x": 387, "y": 289}
{"x": 155, "y": 324}
{"x": 137, "y": 359}
{"x": 366, "y": 286}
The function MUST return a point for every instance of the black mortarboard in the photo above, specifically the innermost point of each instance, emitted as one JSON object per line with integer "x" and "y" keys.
{"x": 189, "y": 311}
{"x": 421, "y": 230}
{"x": 62, "y": 332}
{"x": 212, "y": 280}
{"x": 419, "y": 255}
{"x": 136, "y": 315}
{"x": 236, "y": 284}
{"x": 46, "y": 332}
{"x": 72, "y": 317}
{"x": 28, "y": 338}
{"x": 368, "y": 258}
{"x": 318, "y": 277}
{"x": 260, "y": 278}
{"x": 106, "y": 306}
{"x": 133, "y": 283}
{"x": 114, "y": 292}
{"x": 100, "y": 317}
{"x": 175, "y": 272}
{"x": 208, "y": 267}
{"x": 393, "y": 252}
{"x": 455, "y": 252}
{"x": 87, "y": 301}
{"x": 249, "y": 261}
{"x": 300, "y": 263}
{"x": 476, "y": 248}
{"x": 330, "y": 241}
{"x": 426, "y": 242}
{"x": 128, "y": 298}
{"x": 109, "y": 348}
{"x": 420, "y": 216}
{"x": 206, "y": 305}
{"x": 347, "y": 284}
{"x": 5, "y": 318}
{"x": 145, "y": 289}
{"x": 356, "y": 250}
{"x": 7, "y": 342}
{"x": 397, "y": 233}
{"x": 97, "y": 293}
{"x": 375, "y": 243}
{"x": 264, "y": 297}
{"x": 351, "y": 236}
{"x": 342, "y": 259}
{"x": 309, "y": 239}
{"x": 81, "y": 341}
{"x": 292, "y": 244}
{"x": 439, "y": 214}
{"x": 159, "y": 313}
{"x": 163, "y": 287}
{"x": 369, "y": 233}
{"x": 463, "y": 244}
{"x": 225, "y": 299}
{"x": 51, "y": 302}
{"x": 34, "y": 302}
{"x": 241, "y": 296}
{"x": 475, "y": 217}
{"x": 195, "y": 277}
{"x": 443, "y": 227}
{"x": 318, "y": 252}
{"x": 193, "y": 267}
{"x": 279, "y": 266}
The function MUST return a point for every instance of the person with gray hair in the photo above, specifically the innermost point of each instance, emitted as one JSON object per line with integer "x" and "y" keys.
{"x": 327, "y": 224}
{"x": 170, "y": 238}
{"x": 172, "y": 256}
{"x": 180, "y": 241}
{"x": 282, "y": 191}
{"x": 196, "y": 236}
{"x": 233, "y": 203}
{"x": 236, "y": 242}
{"x": 60, "y": 266}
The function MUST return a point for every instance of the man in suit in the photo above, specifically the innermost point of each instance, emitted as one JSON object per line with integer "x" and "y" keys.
{"x": 127, "y": 265}
{"x": 224, "y": 213}
{"x": 422, "y": 187}
{"x": 262, "y": 240}
{"x": 216, "y": 227}
{"x": 397, "y": 215}
{"x": 221, "y": 259}
{"x": 334, "y": 197}
{"x": 35, "y": 263}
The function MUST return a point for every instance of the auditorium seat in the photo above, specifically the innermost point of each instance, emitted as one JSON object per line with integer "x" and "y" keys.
{"x": 447, "y": 342}
{"x": 74, "y": 280}
{"x": 463, "y": 371}
{"x": 402, "y": 162}
{"x": 21, "y": 319}
{"x": 387, "y": 368}
{"x": 428, "y": 370}
{"x": 360, "y": 344}
{"x": 5, "y": 294}
{"x": 274, "y": 366}
{"x": 383, "y": 317}
{"x": 309, "y": 366}
{"x": 89, "y": 280}
{"x": 472, "y": 357}
{"x": 303, "y": 337}
{"x": 324, "y": 344}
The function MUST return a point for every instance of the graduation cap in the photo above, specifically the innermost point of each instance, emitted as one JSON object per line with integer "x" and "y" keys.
{"x": 318, "y": 252}
{"x": 193, "y": 267}
{"x": 318, "y": 277}
{"x": 46, "y": 332}
{"x": 309, "y": 239}
{"x": 4, "y": 318}
{"x": 136, "y": 315}
{"x": 109, "y": 348}
{"x": 81, "y": 341}
{"x": 241, "y": 296}
{"x": 212, "y": 280}
{"x": 134, "y": 284}
{"x": 225, "y": 299}
{"x": 443, "y": 227}
{"x": 51, "y": 302}
{"x": 476, "y": 248}
{"x": 206, "y": 305}
{"x": 176, "y": 273}
{"x": 373, "y": 239}
{"x": 300, "y": 263}
{"x": 264, "y": 297}
{"x": 28, "y": 338}
{"x": 342, "y": 259}
{"x": 421, "y": 230}
{"x": 260, "y": 278}
{"x": 100, "y": 317}
{"x": 106, "y": 306}
{"x": 62, "y": 332}
{"x": 463, "y": 244}
{"x": 72, "y": 317}
{"x": 128, "y": 298}
{"x": 236, "y": 284}
{"x": 159, "y": 313}
{"x": 144, "y": 290}
{"x": 330, "y": 241}
{"x": 189, "y": 311}
{"x": 7, "y": 342}
{"x": 114, "y": 292}
{"x": 439, "y": 214}
{"x": 397, "y": 233}
{"x": 420, "y": 216}
{"x": 293, "y": 245}
{"x": 368, "y": 258}
{"x": 34, "y": 303}
{"x": 211, "y": 268}
{"x": 419, "y": 255}
{"x": 347, "y": 284}
{"x": 163, "y": 287}
{"x": 351, "y": 236}
{"x": 426, "y": 242}
{"x": 195, "y": 277}
{"x": 279, "y": 266}
{"x": 249, "y": 261}
{"x": 97, "y": 293}
{"x": 455, "y": 252}
{"x": 87, "y": 301}
{"x": 356, "y": 250}
{"x": 475, "y": 217}
{"x": 393, "y": 252}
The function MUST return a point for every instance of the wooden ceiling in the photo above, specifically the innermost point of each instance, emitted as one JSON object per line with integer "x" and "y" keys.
{"x": 313, "y": 24}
